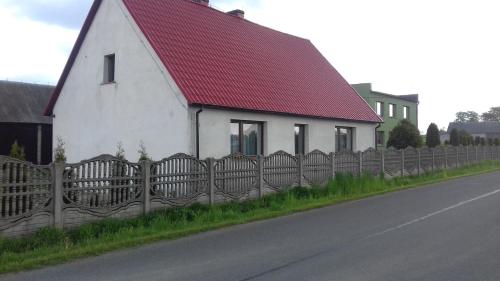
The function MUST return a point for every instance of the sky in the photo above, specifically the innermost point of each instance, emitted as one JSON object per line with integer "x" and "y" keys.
{"x": 447, "y": 51}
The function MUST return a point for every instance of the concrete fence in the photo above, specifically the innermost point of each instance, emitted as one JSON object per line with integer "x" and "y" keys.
{"x": 67, "y": 195}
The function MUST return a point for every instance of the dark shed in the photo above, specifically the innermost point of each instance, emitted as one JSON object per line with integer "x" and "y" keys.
{"x": 22, "y": 119}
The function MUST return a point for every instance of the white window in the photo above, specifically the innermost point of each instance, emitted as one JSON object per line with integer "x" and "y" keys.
{"x": 300, "y": 139}
{"x": 246, "y": 137}
{"x": 380, "y": 108}
{"x": 406, "y": 112}
{"x": 343, "y": 138}
{"x": 109, "y": 68}
{"x": 392, "y": 110}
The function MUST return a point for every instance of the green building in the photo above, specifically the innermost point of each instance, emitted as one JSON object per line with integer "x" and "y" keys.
{"x": 391, "y": 108}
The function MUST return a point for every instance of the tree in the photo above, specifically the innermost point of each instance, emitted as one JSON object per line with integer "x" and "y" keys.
{"x": 467, "y": 116}
{"x": 454, "y": 137}
{"x": 492, "y": 115}
{"x": 17, "y": 151}
{"x": 432, "y": 138}
{"x": 464, "y": 137}
{"x": 60, "y": 151}
{"x": 403, "y": 135}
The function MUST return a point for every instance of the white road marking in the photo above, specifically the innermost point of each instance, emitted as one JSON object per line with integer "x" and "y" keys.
{"x": 433, "y": 214}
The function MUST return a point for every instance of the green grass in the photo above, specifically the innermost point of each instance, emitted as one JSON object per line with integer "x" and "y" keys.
{"x": 51, "y": 246}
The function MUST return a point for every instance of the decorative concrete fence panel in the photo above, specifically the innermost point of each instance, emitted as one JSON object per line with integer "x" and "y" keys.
{"x": 281, "y": 170}
{"x": 101, "y": 187}
{"x": 347, "y": 162}
{"x": 372, "y": 161}
{"x": 318, "y": 167}
{"x": 178, "y": 181}
{"x": 393, "y": 162}
{"x": 67, "y": 195}
{"x": 440, "y": 158}
{"x": 426, "y": 160}
{"x": 25, "y": 196}
{"x": 411, "y": 161}
{"x": 236, "y": 177}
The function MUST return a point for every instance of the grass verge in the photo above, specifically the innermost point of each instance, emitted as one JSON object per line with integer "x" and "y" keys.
{"x": 51, "y": 246}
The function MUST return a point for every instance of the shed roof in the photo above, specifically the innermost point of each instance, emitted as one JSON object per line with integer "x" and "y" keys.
{"x": 223, "y": 60}
{"x": 24, "y": 102}
{"x": 486, "y": 127}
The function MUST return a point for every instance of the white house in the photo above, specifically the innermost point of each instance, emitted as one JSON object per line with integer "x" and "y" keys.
{"x": 181, "y": 76}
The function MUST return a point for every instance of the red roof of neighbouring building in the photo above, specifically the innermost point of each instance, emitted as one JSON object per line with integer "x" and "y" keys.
{"x": 225, "y": 61}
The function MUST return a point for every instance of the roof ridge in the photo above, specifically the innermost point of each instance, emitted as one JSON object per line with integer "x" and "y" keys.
{"x": 26, "y": 83}
{"x": 248, "y": 21}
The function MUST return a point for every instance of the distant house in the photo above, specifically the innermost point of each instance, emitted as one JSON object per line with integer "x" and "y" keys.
{"x": 22, "y": 119}
{"x": 181, "y": 76}
{"x": 487, "y": 129}
{"x": 391, "y": 108}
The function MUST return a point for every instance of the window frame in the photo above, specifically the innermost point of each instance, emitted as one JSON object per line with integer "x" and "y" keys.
{"x": 382, "y": 109}
{"x": 393, "y": 110}
{"x": 302, "y": 128}
{"x": 406, "y": 112}
{"x": 382, "y": 142}
{"x": 109, "y": 70}
{"x": 241, "y": 140}
{"x": 337, "y": 135}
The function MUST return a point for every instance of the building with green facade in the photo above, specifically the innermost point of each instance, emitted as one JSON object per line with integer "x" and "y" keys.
{"x": 391, "y": 108}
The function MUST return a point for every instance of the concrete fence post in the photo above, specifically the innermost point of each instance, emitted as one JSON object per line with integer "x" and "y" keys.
{"x": 433, "y": 165}
{"x": 332, "y": 164}
{"x": 382, "y": 161}
{"x": 475, "y": 148}
{"x": 301, "y": 171}
{"x": 418, "y": 162}
{"x": 146, "y": 184}
{"x": 402, "y": 162}
{"x": 260, "y": 171}
{"x": 457, "y": 157}
{"x": 360, "y": 155}
{"x": 211, "y": 180}
{"x": 445, "y": 158}
{"x": 57, "y": 177}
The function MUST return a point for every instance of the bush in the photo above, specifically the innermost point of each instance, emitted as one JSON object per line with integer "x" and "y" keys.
{"x": 432, "y": 138}
{"x": 17, "y": 151}
{"x": 454, "y": 137}
{"x": 403, "y": 135}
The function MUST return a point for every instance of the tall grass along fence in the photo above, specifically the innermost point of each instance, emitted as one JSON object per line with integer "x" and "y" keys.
{"x": 67, "y": 195}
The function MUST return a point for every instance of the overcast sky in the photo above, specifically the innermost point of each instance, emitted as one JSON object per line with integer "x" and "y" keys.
{"x": 448, "y": 51}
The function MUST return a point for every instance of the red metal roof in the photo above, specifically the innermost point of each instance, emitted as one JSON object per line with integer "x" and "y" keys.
{"x": 226, "y": 61}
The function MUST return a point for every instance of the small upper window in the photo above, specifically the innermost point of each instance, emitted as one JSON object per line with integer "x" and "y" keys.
{"x": 392, "y": 110}
{"x": 380, "y": 108}
{"x": 406, "y": 112}
{"x": 300, "y": 139}
{"x": 109, "y": 68}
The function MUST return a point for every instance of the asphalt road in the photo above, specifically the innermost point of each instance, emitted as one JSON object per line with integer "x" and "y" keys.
{"x": 447, "y": 231}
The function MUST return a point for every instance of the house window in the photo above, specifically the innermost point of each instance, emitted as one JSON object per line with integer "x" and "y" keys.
{"x": 380, "y": 138}
{"x": 109, "y": 68}
{"x": 343, "y": 138}
{"x": 406, "y": 112}
{"x": 246, "y": 137}
{"x": 392, "y": 110}
{"x": 380, "y": 108}
{"x": 300, "y": 139}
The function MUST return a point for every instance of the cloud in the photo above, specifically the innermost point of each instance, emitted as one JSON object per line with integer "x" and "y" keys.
{"x": 32, "y": 51}
{"x": 65, "y": 13}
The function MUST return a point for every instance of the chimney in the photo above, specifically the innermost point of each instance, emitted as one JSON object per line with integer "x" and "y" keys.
{"x": 237, "y": 13}
{"x": 202, "y": 2}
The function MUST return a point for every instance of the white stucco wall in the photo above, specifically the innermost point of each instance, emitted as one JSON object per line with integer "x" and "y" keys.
{"x": 278, "y": 132}
{"x": 143, "y": 105}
